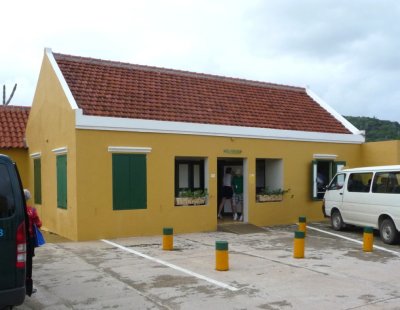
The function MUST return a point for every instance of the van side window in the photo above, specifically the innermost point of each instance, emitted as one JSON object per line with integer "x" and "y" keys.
{"x": 7, "y": 205}
{"x": 386, "y": 182}
{"x": 337, "y": 182}
{"x": 359, "y": 182}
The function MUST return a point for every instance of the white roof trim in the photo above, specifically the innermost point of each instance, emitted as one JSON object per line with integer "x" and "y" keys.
{"x": 60, "y": 150}
{"x": 35, "y": 155}
{"x": 374, "y": 168}
{"x": 335, "y": 114}
{"x": 325, "y": 156}
{"x": 138, "y": 125}
{"x": 128, "y": 149}
{"x": 60, "y": 76}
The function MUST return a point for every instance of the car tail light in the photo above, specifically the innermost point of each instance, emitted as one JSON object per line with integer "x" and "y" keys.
{"x": 21, "y": 246}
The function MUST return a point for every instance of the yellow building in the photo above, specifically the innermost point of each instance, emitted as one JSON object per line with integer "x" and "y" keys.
{"x": 121, "y": 146}
{"x": 381, "y": 153}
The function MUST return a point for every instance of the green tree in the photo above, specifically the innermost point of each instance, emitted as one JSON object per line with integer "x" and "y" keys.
{"x": 375, "y": 129}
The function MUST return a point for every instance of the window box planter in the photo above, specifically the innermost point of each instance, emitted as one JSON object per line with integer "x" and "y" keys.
{"x": 264, "y": 198}
{"x": 190, "y": 201}
{"x": 198, "y": 201}
{"x": 267, "y": 195}
{"x": 181, "y": 201}
{"x": 189, "y": 198}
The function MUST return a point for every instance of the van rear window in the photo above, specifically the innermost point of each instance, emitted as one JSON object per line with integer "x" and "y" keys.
{"x": 359, "y": 182}
{"x": 387, "y": 182}
{"x": 7, "y": 204}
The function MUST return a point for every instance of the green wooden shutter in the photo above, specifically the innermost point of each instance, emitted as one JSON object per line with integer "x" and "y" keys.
{"x": 139, "y": 181}
{"x": 121, "y": 181}
{"x": 62, "y": 181}
{"x": 129, "y": 181}
{"x": 37, "y": 171}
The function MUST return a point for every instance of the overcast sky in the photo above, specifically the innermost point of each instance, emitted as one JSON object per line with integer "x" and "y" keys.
{"x": 347, "y": 52}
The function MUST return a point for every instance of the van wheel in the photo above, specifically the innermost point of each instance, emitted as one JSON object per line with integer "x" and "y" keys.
{"x": 388, "y": 232}
{"x": 337, "y": 221}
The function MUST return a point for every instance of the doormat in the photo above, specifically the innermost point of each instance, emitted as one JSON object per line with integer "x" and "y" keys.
{"x": 240, "y": 228}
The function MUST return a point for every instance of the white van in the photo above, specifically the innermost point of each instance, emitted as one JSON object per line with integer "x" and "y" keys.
{"x": 363, "y": 197}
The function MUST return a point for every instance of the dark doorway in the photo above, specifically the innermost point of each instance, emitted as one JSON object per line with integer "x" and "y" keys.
{"x": 236, "y": 164}
{"x": 324, "y": 175}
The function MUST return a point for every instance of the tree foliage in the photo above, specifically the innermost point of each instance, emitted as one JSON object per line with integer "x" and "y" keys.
{"x": 375, "y": 129}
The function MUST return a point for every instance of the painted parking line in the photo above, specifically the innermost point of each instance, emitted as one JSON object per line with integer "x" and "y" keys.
{"x": 352, "y": 240}
{"x": 191, "y": 273}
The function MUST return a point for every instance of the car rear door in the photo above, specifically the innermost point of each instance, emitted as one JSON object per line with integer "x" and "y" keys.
{"x": 12, "y": 230}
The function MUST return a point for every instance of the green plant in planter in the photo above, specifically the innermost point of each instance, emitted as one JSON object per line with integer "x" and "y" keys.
{"x": 274, "y": 192}
{"x": 185, "y": 193}
{"x": 188, "y": 197}
{"x": 200, "y": 193}
{"x": 188, "y": 193}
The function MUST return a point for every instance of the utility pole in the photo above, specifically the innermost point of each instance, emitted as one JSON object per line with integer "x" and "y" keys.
{"x": 6, "y": 102}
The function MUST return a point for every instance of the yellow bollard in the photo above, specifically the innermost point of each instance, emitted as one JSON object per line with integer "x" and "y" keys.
{"x": 302, "y": 224}
{"x": 368, "y": 239}
{"x": 168, "y": 239}
{"x": 298, "y": 249}
{"x": 221, "y": 256}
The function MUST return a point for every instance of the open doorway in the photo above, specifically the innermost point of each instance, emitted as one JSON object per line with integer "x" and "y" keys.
{"x": 237, "y": 202}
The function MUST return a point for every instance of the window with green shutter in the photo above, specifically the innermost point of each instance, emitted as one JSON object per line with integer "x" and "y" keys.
{"x": 129, "y": 181}
{"x": 322, "y": 172}
{"x": 37, "y": 176}
{"x": 62, "y": 181}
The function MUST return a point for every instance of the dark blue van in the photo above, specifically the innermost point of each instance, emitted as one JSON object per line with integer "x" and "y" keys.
{"x": 13, "y": 236}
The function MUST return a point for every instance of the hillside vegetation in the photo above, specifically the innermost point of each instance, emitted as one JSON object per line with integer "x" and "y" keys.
{"x": 375, "y": 129}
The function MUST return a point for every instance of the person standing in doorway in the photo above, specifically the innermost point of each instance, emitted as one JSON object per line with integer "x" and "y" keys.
{"x": 237, "y": 184}
{"x": 227, "y": 193}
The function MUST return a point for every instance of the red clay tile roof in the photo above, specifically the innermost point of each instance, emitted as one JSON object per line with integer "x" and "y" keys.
{"x": 13, "y": 121}
{"x": 113, "y": 89}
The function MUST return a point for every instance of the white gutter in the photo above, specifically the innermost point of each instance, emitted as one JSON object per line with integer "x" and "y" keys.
{"x": 139, "y": 125}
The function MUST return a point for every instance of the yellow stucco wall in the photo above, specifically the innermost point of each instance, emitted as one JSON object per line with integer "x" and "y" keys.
{"x": 20, "y": 157}
{"x": 94, "y": 176}
{"x": 381, "y": 153}
{"x": 51, "y": 126}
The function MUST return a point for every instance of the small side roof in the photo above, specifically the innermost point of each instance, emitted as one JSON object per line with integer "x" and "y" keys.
{"x": 121, "y": 90}
{"x": 13, "y": 120}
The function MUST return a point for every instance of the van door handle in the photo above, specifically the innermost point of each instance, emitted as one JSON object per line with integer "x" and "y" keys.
{"x": 341, "y": 193}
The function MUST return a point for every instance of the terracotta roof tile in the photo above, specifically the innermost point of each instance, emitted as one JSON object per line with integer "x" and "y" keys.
{"x": 113, "y": 89}
{"x": 13, "y": 120}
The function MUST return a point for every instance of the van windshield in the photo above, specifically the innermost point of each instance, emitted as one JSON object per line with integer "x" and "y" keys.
{"x": 337, "y": 182}
{"x": 7, "y": 204}
{"x": 387, "y": 182}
